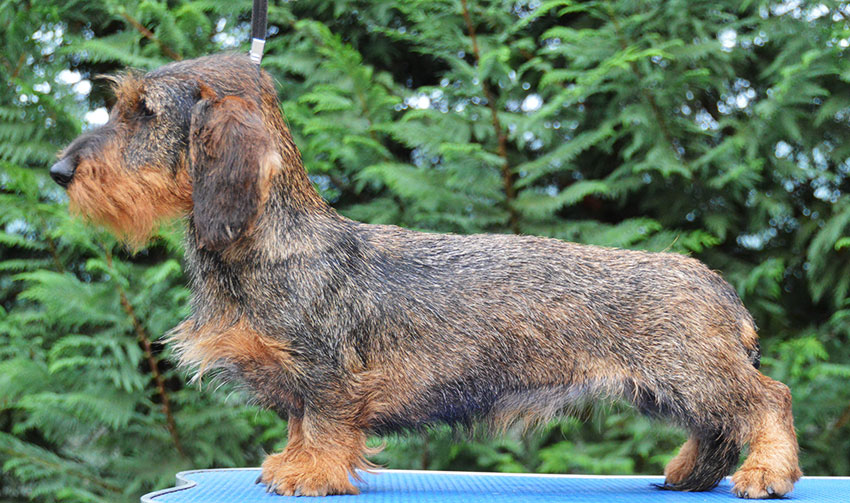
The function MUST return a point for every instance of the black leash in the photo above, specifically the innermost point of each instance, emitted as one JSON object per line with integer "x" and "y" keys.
{"x": 258, "y": 30}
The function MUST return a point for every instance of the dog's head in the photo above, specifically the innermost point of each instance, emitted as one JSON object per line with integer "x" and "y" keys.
{"x": 201, "y": 137}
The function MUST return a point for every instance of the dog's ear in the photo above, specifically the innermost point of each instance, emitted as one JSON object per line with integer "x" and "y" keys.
{"x": 229, "y": 153}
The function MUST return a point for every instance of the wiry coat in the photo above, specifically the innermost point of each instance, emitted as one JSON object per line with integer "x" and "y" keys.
{"x": 347, "y": 328}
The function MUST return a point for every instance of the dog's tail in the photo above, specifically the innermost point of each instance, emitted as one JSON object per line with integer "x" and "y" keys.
{"x": 750, "y": 340}
{"x": 746, "y": 330}
{"x": 716, "y": 457}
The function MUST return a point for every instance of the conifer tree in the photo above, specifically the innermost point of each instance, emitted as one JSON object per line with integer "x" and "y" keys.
{"x": 713, "y": 128}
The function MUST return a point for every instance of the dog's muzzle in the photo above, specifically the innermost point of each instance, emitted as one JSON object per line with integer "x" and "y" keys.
{"x": 63, "y": 171}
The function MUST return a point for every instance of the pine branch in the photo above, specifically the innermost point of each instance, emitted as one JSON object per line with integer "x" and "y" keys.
{"x": 647, "y": 96}
{"x": 843, "y": 420}
{"x": 168, "y": 51}
{"x": 20, "y": 65}
{"x": 59, "y": 468}
{"x": 54, "y": 252}
{"x": 508, "y": 177}
{"x": 143, "y": 337}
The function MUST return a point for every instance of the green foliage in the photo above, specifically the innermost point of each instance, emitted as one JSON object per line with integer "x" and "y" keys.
{"x": 718, "y": 129}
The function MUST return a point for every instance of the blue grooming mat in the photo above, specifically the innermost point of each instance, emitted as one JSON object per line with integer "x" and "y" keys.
{"x": 401, "y": 486}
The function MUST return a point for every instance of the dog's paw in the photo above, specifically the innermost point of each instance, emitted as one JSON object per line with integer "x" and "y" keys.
{"x": 289, "y": 475}
{"x": 762, "y": 482}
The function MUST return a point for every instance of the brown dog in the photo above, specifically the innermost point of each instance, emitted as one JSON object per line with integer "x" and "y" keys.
{"x": 349, "y": 329}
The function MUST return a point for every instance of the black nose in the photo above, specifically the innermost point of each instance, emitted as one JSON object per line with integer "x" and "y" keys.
{"x": 63, "y": 171}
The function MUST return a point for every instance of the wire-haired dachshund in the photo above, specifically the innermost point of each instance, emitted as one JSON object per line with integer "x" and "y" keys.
{"x": 349, "y": 329}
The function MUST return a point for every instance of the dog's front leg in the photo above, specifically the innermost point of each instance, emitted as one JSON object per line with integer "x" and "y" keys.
{"x": 320, "y": 457}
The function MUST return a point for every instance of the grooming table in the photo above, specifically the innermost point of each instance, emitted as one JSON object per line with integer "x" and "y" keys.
{"x": 402, "y": 486}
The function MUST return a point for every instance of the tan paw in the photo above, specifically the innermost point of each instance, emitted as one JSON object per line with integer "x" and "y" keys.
{"x": 759, "y": 483}
{"x": 304, "y": 475}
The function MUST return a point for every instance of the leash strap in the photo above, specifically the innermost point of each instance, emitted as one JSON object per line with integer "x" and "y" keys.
{"x": 258, "y": 30}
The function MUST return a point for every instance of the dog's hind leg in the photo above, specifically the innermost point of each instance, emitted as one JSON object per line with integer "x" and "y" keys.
{"x": 702, "y": 462}
{"x": 750, "y": 409}
{"x": 772, "y": 465}
{"x": 683, "y": 464}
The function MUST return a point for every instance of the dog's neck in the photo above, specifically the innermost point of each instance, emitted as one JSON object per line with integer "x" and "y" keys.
{"x": 285, "y": 234}
{"x": 288, "y": 220}
{"x": 290, "y": 181}
{"x": 292, "y": 224}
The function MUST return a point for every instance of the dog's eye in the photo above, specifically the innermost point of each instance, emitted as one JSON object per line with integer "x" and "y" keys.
{"x": 145, "y": 111}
